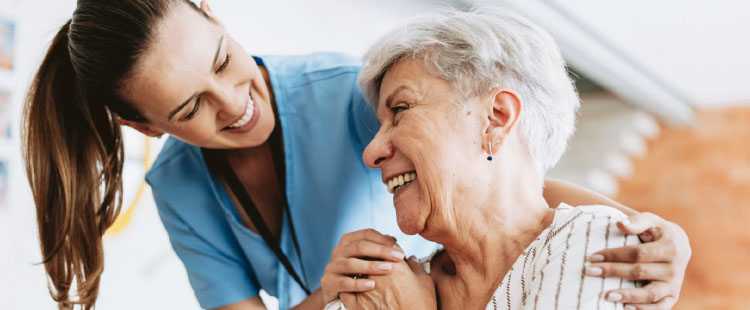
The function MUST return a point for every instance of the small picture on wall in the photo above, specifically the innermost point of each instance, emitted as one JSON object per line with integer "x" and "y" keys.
{"x": 7, "y": 42}
{"x": 5, "y": 115}
{"x": 3, "y": 184}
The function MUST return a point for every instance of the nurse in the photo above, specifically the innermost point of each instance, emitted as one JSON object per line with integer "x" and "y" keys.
{"x": 261, "y": 179}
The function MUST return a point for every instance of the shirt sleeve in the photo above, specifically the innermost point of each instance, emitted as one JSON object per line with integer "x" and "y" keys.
{"x": 559, "y": 281}
{"x": 217, "y": 278}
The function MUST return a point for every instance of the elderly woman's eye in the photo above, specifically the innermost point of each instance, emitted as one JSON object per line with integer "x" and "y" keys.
{"x": 399, "y": 107}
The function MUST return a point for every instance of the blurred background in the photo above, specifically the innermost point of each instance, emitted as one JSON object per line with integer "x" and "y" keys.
{"x": 664, "y": 127}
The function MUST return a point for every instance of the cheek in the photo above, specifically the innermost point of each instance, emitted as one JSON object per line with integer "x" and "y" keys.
{"x": 199, "y": 131}
{"x": 440, "y": 152}
{"x": 433, "y": 161}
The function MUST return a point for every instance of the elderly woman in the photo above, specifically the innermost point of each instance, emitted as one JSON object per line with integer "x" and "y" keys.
{"x": 474, "y": 108}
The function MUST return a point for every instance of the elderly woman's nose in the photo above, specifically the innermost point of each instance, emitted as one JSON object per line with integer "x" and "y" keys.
{"x": 377, "y": 151}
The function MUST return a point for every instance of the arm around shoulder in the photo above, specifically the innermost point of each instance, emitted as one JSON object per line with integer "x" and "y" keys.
{"x": 558, "y": 191}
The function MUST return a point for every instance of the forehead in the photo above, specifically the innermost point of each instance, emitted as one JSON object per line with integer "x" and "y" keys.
{"x": 172, "y": 67}
{"x": 410, "y": 77}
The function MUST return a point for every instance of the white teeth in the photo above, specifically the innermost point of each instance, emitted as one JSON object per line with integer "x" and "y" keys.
{"x": 249, "y": 111}
{"x": 401, "y": 180}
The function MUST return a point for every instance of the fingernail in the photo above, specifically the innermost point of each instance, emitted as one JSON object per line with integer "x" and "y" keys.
{"x": 626, "y": 223}
{"x": 596, "y": 258}
{"x": 629, "y": 307}
{"x": 397, "y": 254}
{"x": 369, "y": 284}
{"x": 594, "y": 271}
{"x": 614, "y": 297}
{"x": 385, "y": 266}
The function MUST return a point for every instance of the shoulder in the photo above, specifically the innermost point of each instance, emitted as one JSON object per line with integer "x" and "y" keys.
{"x": 179, "y": 168}
{"x": 316, "y": 67}
{"x": 558, "y": 258}
{"x": 174, "y": 151}
{"x": 586, "y": 224}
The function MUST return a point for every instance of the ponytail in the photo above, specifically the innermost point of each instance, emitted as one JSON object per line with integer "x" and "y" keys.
{"x": 74, "y": 157}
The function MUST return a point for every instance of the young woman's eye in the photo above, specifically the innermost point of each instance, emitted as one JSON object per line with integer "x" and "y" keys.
{"x": 225, "y": 64}
{"x": 194, "y": 110}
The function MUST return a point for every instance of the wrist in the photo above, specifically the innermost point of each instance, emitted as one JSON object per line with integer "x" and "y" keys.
{"x": 314, "y": 301}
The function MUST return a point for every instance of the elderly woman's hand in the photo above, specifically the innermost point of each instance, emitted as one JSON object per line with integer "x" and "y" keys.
{"x": 352, "y": 259}
{"x": 408, "y": 286}
{"x": 661, "y": 260}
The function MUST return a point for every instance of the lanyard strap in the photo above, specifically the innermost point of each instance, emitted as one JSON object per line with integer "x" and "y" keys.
{"x": 219, "y": 165}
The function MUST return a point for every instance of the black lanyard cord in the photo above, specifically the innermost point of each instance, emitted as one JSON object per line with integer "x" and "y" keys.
{"x": 219, "y": 165}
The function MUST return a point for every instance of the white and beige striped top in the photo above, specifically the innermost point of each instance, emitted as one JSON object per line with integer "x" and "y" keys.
{"x": 550, "y": 272}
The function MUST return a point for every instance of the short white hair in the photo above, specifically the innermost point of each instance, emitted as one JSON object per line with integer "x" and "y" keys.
{"x": 480, "y": 50}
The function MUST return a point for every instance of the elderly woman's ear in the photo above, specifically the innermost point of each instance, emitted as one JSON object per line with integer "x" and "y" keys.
{"x": 504, "y": 111}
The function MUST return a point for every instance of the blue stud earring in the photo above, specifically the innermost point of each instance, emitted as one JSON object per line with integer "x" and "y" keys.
{"x": 489, "y": 158}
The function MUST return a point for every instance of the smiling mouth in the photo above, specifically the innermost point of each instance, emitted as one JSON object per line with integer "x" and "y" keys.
{"x": 401, "y": 180}
{"x": 246, "y": 116}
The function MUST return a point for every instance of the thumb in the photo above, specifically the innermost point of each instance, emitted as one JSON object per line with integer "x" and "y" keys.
{"x": 639, "y": 223}
{"x": 415, "y": 266}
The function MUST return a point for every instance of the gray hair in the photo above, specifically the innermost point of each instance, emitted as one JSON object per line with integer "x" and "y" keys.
{"x": 478, "y": 51}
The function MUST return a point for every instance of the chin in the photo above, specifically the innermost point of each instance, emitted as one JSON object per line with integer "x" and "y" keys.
{"x": 410, "y": 226}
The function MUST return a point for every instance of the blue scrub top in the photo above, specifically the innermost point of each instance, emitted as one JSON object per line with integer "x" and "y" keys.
{"x": 326, "y": 125}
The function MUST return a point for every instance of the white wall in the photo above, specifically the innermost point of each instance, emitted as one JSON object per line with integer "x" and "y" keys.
{"x": 700, "y": 47}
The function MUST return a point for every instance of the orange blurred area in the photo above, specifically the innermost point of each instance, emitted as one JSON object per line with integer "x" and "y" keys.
{"x": 700, "y": 178}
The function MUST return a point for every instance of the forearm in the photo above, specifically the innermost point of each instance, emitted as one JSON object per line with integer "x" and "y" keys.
{"x": 556, "y": 192}
{"x": 314, "y": 301}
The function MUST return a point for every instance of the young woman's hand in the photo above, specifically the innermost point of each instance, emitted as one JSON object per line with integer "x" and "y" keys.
{"x": 661, "y": 260}
{"x": 359, "y": 254}
{"x": 408, "y": 286}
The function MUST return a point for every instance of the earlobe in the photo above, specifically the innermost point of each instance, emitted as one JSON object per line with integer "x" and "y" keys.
{"x": 504, "y": 110}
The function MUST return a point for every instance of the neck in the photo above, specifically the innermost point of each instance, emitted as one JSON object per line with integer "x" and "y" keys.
{"x": 492, "y": 237}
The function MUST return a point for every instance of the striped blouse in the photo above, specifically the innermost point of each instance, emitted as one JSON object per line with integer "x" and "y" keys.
{"x": 550, "y": 272}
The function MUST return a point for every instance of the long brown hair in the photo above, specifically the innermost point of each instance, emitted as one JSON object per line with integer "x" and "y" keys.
{"x": 72, "y": 141}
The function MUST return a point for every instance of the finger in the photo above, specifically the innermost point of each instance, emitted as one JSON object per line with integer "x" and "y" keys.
{"x": 344, "y": 284}
{"x": 398, "y": 247}
{"x": 654, "y": 252}
{"x": 639, "y": 223}
{"x": 368, "y": 234}
{"x": 644, "y": 271}
{"x": 350, "y": 266}
{"x": 416, "y": 268}
{"x": 369, "y": 249}
{"x": 649, "y": 294}
{"x": 349, "y": 300}
{"x": 664, "y": 304}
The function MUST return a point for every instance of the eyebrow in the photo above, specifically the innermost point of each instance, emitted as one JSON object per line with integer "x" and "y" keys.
{"x": 401, "y": 88}
{"x": 182, "y": 105}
